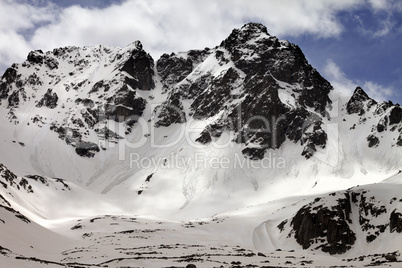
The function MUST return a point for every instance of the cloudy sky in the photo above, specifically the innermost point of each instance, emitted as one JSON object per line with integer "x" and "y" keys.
{"x": 350, "y": 42}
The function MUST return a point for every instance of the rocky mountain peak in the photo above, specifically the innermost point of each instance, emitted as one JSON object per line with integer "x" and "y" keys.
{"x": 384, "y": 116}
{"x": 250, "y": 36}
{"x": 140, "y": 66}
{"x": 254, "y": 27}
{"x": 359, "y": 102}
{"x": 138, "y": 44}
{"x": 250, "y": 75}
{"x": 247, "y": 33}
{"x": 360, "y": 94}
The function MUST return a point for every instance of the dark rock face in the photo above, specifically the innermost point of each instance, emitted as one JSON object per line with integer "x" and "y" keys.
{"x": 124, "y": 106}
{"x": 51, "y": 63}
{"x": 34, "y": 80}
{"x": 382, "y": 107}
{"x": 382, "y": 124}
{"x": 369, "y": 210}
{"x": 48, "y": 100}
{"x": 73, "y": 137}
{"x": 388, "y": 117}
{"x": 254, "y": 153}
{"x": 140, "y": 66}
{"x": 356, "y": 104}
{"x": 86, "y": 149}
{"x": 313, "y": 139}
{"x": 284, "y": 61}
{"x": 9, "y": 76}
{"x": 100, "y": 85}
{"x": 170, "y": 112}
{"x": 213, "y": 130}
{"x": 239, "y": 37}
{"x": 36, "y": 56}
{"x": 205, "y": 137}
{"x": 211, "y": 101}
{"x": 395, "y": 220}
{"x": 373, "y": 141}
{"x": 86, "y": 102}
{"x": 327, "y": 224}
{"x": 395, "y": 116}
{"x": 8, "y": 178}
{"x": 261, "y": 119}
{"x": 14, "y": 99}
{"x": 5, "y": 173}
{"x": 399, "y": 141}
{"x": 173, "y": 69}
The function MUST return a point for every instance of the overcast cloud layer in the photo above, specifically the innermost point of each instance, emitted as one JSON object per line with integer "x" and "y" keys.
{"x": 165, "y": 26}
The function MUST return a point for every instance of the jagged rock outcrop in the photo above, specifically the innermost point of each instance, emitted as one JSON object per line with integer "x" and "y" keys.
{"x": 384, "y": 117}
{"x": 140, "y": 67}
{"x": 87, "y": 149}
{"x": 7, "y": 175}
{"x": 48, "y": 100}
{"x": 36, "y": 56}
{"x": 124, "y": 105}
{"x": 326, "y": 223}
{"x": 373, "y": 141}
{"x": 9, "y": 76}
{"x": 395, "y": 220}
{"x": 254, "y": 51}
{"x": 265, "y": 92}
{"x": 359, "y": 102}
{"x": 395, "y": 115}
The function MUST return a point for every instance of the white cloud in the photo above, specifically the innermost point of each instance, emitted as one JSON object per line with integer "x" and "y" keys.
{"x": 346, "y": 86}
{"x": 338, "y": 79}
{"x": 386, "y": 27}
{"x": 385, "y": 5}
{"x": 383, "y": 25}
{"x": 384, "y": 12}
{"x": 15, "y": 18}
{"x": 379, "y": 4}
{"x": 162, "y": 26}
{"x": 376, "y": 91}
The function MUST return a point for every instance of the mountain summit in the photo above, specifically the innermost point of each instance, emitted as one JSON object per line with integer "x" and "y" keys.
{"x": 247, "y": 131}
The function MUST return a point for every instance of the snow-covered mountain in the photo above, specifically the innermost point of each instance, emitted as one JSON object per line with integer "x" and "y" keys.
{"x": 221, "y": 156}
